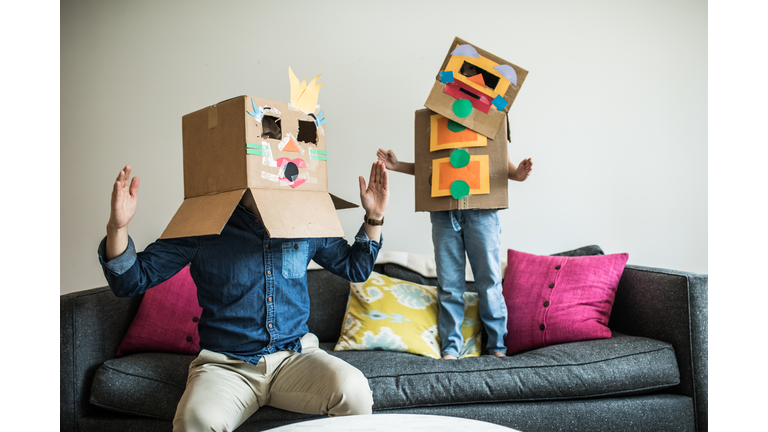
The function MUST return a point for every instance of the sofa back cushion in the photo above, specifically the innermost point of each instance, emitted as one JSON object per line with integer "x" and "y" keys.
{"x": 558, "y": 299}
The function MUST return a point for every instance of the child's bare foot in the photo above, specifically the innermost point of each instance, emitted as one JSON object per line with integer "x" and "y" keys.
{"x": 449, "y": 357}
{"x": 499, "y": 354}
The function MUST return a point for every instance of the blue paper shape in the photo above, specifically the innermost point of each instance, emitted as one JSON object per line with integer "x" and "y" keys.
{"x": 466, "y": 50}
{"x": 499, "y": 103}
{"x": 446, "y": 77}
{"x": 507, "y": 72}
{"x": 320, "y": 119}
{"x": 257, "y": 113}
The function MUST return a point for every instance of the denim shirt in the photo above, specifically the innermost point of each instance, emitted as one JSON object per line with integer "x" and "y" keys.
{"x": 252, "y": 288}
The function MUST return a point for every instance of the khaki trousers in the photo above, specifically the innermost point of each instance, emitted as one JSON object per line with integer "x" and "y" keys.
{"x": 222, "y": 391}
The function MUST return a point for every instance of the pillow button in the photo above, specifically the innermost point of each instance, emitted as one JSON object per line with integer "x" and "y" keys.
{"x": 195, "y": 319}
{"x": 557, "y": 267}
{"x": 542, "y": 327}
{"x": 551, "y": 285}
{"x": 546, "y": 304}
{"x": 189, "y": 338}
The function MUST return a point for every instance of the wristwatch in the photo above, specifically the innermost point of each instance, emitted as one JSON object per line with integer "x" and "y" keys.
{"x": 373, "y": 222}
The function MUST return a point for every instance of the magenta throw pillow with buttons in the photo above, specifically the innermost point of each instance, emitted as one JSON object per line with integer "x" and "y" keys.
{"x": 167, "y": 319}
{"x": 556, "y": 299}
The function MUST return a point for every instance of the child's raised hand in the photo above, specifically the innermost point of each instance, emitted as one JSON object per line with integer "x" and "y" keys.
{"x": 388, "y": 158}
{"x": 524, "y": 169}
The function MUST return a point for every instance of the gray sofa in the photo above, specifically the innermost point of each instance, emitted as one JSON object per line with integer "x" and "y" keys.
{"x": 651, "y": 375}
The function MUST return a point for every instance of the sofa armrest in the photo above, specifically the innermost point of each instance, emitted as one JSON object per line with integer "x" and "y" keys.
{"x": 670, "y": 306}
{"x": 92, "y": 325}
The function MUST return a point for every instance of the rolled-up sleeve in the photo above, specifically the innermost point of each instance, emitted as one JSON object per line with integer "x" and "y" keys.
{"x": 121, "y": 263}
{"x": 132, "y": 273}
{"x": 352, "y": 262}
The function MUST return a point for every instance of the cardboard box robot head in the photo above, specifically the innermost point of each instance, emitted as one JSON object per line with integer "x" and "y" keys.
{"x": 274, "y": 151}
{"x": 475, "y": 88}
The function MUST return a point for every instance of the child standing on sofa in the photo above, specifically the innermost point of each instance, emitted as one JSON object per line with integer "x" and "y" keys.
{"x": 478, "y": 234}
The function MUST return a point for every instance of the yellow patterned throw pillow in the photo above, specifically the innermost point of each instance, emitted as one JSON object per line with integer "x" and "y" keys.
{"x": 385, "y": 313}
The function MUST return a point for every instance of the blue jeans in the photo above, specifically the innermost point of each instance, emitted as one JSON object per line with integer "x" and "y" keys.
{"x": 478, "y": 234}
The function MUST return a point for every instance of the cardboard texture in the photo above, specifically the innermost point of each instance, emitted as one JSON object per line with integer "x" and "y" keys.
{"x": 489, "y": 83}
{"x": 485, "y": 172}
{"x": 268, "y": 149}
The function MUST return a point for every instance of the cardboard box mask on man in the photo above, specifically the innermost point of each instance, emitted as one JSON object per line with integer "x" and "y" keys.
{"x": 274, "y": 151}
{"x": 475, "y": 88}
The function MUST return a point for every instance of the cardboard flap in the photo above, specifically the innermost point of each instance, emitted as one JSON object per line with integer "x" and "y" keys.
{"x": 203, "y": 215}
{"x": 342, "y": 204}
{"x": 297, "y": 214}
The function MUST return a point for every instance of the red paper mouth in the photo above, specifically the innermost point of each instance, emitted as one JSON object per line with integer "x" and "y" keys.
{"x": 292, "y": 167}
{"x": 459, "y": 90}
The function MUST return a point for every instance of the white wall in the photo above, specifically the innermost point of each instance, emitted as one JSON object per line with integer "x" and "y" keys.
{"x": 613, "y": 111}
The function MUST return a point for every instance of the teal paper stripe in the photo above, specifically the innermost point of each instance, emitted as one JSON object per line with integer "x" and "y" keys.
{"x": 323, "y": 152}
{"x": 324, "y": 158}
{"x": 256, "y": 152}
{"x": 256, "y": 146}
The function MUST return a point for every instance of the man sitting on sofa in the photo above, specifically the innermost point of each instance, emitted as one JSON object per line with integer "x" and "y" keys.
{"x": 255, "y": 346}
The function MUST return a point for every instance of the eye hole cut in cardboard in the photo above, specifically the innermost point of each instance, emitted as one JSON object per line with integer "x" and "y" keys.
{"x": 307, "y": 132}
{"x": 271, "y": 128}
{"x": 484, "y": 78}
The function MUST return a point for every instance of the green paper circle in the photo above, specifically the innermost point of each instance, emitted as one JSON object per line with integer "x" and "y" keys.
{"x": 455, "y": 127}
{"x": 459, "y": 158}
{"x": 462, "y": 108}
{"x": 459, "y": 189}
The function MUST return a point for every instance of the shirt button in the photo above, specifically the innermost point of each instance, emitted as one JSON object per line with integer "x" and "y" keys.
{"x": 269, "y": 299}
{"x": 557, "y": 267}
{"x": 546, "y": 304}
{"x": 266, "y": 245}
{"x": 269, "y": 346}
{"x": 189, "y": 338}
{"x": 269, "y": 272}
{"x": 551, "y": 285}
{"x": 542, "y": 327}
{"x": 195, "y": 319}
{"x": 270, "y": 326}
{"x": 296, "y": 246}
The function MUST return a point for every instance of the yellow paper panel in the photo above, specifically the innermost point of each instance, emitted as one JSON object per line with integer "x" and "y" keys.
{"x": 485, "y": 177}
{"x": 437, "y": 126}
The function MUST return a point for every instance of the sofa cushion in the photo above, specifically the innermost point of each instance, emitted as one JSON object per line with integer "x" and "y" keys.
{"x": 151, "y": 384}
{"x": 623, "y": 365}
{"x": 557, "y": 299}
{"x": 148, "y": 384}
{"x": 167, "y": 319}
{"x": 391, "y": 314}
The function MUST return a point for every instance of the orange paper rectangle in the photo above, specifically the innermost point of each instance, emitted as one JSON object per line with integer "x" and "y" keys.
{"x": 442, "y": 138}
{"x": 476, "y": 174}
{"x": 449, "y": 174}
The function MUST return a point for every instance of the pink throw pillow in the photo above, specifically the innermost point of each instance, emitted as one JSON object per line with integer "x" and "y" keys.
{"x": 557, "y": 299}
{"x": 167, "y": 319}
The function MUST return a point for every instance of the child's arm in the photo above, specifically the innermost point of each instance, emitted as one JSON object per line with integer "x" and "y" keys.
{"x": 391, "y": 163}
{"x": 521, "y": 172}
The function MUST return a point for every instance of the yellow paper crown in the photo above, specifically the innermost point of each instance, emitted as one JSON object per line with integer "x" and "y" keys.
{"x": 303, "y": 96}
